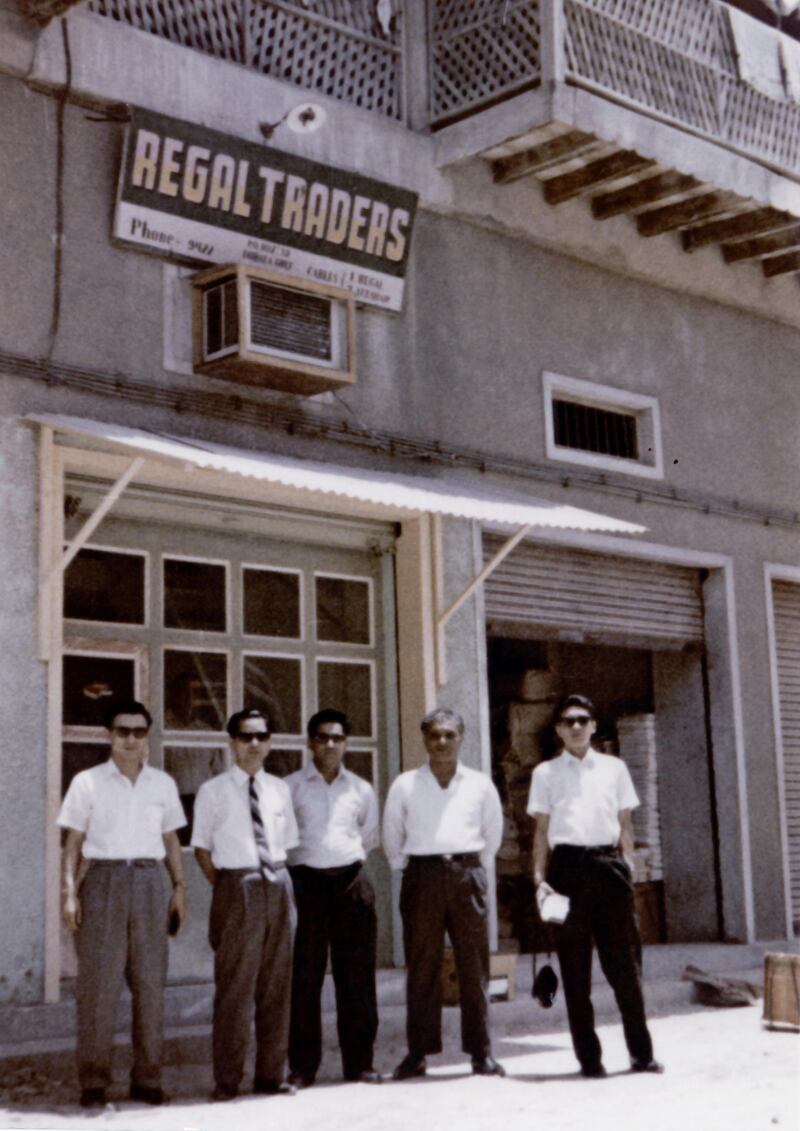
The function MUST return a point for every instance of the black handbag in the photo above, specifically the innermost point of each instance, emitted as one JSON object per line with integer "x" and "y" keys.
{"x": 545, "y": 984}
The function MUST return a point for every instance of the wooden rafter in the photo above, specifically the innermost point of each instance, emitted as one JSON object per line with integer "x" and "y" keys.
{"x": 762, "y": 245}
{"x": 673, "y": 216}
{"x": 623, "y": 163}
{"x": 781, "y": 264}
{"x": 750, "y": 223}
{"x": 552, "y": 152}
{"x": 644, "y": 192}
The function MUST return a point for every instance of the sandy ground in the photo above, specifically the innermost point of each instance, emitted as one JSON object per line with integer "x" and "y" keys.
{"x": 725, "y": 1072}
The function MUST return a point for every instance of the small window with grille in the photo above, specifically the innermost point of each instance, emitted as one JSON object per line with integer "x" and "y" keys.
{"x": 598, "y": 426}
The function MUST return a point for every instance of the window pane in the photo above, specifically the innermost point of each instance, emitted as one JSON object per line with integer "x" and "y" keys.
{"x": 342, "y": 610}
{"x": 77, "y": 756}
{"x": 360, "y": 762}
{"x": 271, "y": 603}
{"x": 281, "y": 763}
{"x": 348, "y": 688}
{"x": 274, "y": 684}
{"x": 90, "y": 683}
{"x": 195, "y": 690}
{"x": 103, "y": 585}
{"x": 191, "y": 766}
{"x": 194, "y": 595}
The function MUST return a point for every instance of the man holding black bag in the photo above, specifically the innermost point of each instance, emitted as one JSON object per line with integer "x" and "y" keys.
{"x": 583, "y": 845}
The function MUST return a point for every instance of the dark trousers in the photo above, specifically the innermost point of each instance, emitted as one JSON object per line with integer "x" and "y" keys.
{"x": 251, "y": 928}
{"x": 439, "y": 895}
{"x": 336, "y": 911}
{"x": 122, "y": 937}
{"x": 601, "y": 910}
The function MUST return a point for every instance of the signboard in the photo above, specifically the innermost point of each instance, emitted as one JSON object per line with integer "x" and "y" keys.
{"x": 190, "y": 193}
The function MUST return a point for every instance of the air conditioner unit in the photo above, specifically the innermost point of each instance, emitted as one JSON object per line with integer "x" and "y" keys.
{"x": 256, "y": 327}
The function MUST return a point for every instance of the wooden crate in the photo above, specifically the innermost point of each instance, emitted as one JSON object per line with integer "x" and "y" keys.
{"x": 782, "y": 990}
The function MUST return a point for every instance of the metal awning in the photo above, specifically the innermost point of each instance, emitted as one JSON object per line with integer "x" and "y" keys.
{"x": 387, "y": 494}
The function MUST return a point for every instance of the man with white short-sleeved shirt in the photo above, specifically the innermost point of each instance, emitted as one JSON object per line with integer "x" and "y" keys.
{"x": 583, "y": 848}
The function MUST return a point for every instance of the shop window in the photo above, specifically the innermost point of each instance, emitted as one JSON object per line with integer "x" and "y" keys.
{"x": 275, "y": 685}
{"x": 602, "y": 427}
{"x": 347, "y": 686}
{"x": 105, "y": 585}
{"x": 361, "y": 762}
{"x": 343, "y": 610}
{"x": 281, "y": 762}
{"x": 194, "y": 595}
{"x": 190, "y": 766}
{"x": 271, "y": 602}
{"x": 91, "y": 682}
{"x": 195, "y": 689}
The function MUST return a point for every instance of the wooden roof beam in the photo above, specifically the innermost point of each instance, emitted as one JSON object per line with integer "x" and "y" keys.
{"x": 672, "y": 216}
{"x": 761, "y": 245}
{"x": 647, "y": 191}
{"x": 552, "y": 152}
{"x": 623, "y": 163}
{"x": 781, "y": 264}
{"x": 751, "y": 223}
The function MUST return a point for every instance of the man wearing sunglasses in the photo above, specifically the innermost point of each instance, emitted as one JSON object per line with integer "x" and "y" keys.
{"x": 337, "y": 814}
{"x": 244, "y": 827}
{"x": 581, "y": 801}
{"x": 121, "y": 819}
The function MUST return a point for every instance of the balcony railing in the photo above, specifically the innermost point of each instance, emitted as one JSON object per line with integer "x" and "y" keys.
{"x": 349, "y": 49}
{"x": 675, "y": 59}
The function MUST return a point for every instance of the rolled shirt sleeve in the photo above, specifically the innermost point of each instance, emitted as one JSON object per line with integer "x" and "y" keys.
{"x": 394, "y": 832}
{"x": 539, "y": 796}
{"x": 369, "y": 822}
{"x": 76, "y": 807}
{"x": 174, "y": 816}
{"x": 203, "y": 823}
{"x": 492, "y": 824}
{"x": 628, "y": 798}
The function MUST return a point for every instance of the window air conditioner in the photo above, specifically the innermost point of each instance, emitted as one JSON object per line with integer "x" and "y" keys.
{"x": 259, "y": 328}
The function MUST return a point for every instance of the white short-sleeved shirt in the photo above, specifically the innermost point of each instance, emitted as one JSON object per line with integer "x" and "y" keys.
{"x": 582, "y": 797}
{"x": 121, "y": 819}
{"x": 223, "y": 824}
{"x": 337, "y": 822}
{"x": 422, "y": 819}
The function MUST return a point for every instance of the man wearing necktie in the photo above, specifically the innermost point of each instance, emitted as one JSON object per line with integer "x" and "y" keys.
{"x": 244, "y": 826}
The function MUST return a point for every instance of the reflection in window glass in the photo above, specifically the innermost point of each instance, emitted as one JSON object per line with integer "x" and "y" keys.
{"x": 195, "y": 690}
{"x": 77, "y": 756}
{"x": 271, "y": 603}
{"x": 194, "y": 595}
{"x": 190, "y": 766}
{"x": 281, "y": 763}
{"x": 104, "y": 585}
{"x": 342, "y": 610}
{"x": 360, "y": 762}
{"x": 274, "y": 685}
{"x": 90, "y": 683}
{"x": 348, "y": 688}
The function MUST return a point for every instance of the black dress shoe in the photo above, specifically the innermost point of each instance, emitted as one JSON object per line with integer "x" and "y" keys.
{"x": 93, "y": 1097}
{"x": 144, "y": 1095}
{"x": 300, "y": 1080}
{"x": 594, "y": 1072}
{"x": 486, "y": 1066}
{"x": 222, "y": 1095}
{"x": 273, "y": 1088}
{"x": 368, "y": 1076}
{"x": 646, "y": 1066}
{"x": 410, "y": 1066}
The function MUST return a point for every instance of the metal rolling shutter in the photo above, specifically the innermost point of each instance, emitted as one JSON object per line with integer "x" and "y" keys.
{"x": 786, "y": 607}
{"x": 594, "y": 596}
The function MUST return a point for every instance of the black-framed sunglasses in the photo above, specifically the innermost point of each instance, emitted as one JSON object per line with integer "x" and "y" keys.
{"x": 324, "y": 739}
{"x": 575, "y": 721}
{"x": 255, "y": 736}
{"x": 127, "y": 732}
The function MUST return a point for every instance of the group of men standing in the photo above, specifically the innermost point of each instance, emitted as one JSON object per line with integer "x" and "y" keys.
{"x": 286, "y": 861}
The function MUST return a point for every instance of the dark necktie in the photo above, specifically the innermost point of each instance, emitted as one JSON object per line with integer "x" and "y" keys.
{"x": 262, "y": 848}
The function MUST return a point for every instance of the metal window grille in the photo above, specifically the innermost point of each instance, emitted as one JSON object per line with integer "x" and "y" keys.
{"x": 291, "y": 321}
{"x": 588, "y": 428}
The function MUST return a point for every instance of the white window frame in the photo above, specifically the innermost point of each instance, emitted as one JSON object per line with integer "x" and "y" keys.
{"x": 267, "y": 568}
{"x": 370, "y": 609}
{"x": 291, "y": 736}
{"x": 106, "y": 650}
{"x": 354, "y": 748}
{"x": 650, "y": 464}
{"x": 118, "y": 624}
{"x": 363, "y": 661}
{"x": 185, "y": 732}
{"x": 215, "y": 632}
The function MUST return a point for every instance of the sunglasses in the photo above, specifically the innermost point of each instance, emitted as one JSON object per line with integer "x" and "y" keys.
{"x": 256, "y": 736}
{"x": 324, "y": 739}
{"x": 575, "y": 721}
{"x": 127, "y": 732}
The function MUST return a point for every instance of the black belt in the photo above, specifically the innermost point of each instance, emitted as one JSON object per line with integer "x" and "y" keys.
{"x": 138, "y": 862}
{"x": 471, "y": 858}
{"x": 340, "y": 871}
{"x": 583, "y": 850}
